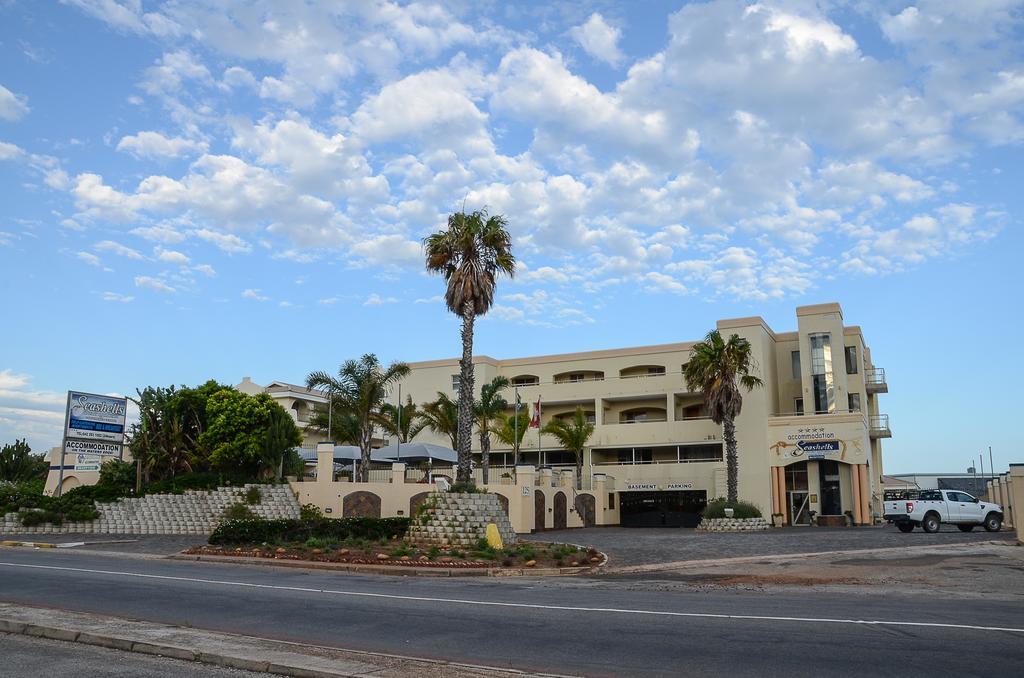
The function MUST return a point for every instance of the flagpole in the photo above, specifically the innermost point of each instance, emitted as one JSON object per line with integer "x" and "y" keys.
{"x": 538, "y": 430}
{"x": 515, "y": 434}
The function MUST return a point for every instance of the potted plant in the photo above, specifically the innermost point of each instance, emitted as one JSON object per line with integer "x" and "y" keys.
{"x": 777, "y": 519}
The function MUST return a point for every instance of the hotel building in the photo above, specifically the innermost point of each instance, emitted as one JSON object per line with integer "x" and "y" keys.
{"x": 809, "y": 441}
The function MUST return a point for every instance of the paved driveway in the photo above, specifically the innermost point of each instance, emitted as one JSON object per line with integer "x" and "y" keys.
{"x": 638, "y": 546}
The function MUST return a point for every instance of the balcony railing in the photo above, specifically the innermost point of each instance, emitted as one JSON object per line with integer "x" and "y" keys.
{"x": 878, "y": 426}
{"x": 874, "y": 380}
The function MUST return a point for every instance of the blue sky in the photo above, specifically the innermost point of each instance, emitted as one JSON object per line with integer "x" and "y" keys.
{"x": 193, "y": 192}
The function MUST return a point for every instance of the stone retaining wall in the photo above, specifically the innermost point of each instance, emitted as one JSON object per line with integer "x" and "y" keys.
{"x": 194, "y": 512}
{"x": 733, "y": 524}
{"x": 459, "y": 519}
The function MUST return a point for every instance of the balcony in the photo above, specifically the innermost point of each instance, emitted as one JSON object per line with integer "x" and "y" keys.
{"x": 874, "y": 380}
{"x": 878, "y": 426}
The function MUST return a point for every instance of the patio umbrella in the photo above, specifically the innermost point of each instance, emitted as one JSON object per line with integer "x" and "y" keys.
{"x": 419, "y": 452}
{"x": 352, "y": 453}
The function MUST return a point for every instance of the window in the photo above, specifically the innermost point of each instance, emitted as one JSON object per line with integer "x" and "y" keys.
{"x": 821, "y": 373}
{"x": 611, "y": 501}
{"x": 455, "y": 382}
{"x": 576, "y": 378}
{"x": 655, "y": 370}
{"x": 851, "y": 360}
{"x": 795, "y": 357}
{"x": 853, "y": 400}
{"x": 798, "y": 405}
{"x": 525, "y": 380}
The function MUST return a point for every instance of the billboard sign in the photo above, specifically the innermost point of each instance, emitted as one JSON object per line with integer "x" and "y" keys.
{"x": 87, "y": 462}
{"x": 92, "y": 447}
{"x": 818, "y": 449}
{"x": 96, "y": 417}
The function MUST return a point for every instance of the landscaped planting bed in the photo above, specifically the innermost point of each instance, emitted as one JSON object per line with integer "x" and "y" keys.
{"x": 398, "y": 552}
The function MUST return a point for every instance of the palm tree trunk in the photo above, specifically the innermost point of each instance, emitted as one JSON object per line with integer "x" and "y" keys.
{"x": 731, "y": 460}
{"x": 579, "y": 470}
{"x": 364, "y": 453}
{"x": 485, "y": 455}
{"x": 464, "y": 439}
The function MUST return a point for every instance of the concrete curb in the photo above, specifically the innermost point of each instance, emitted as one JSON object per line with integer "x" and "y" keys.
{"x": 224, "y": 649}
{"x": 39, "y": 544}
{"x": 681, "y": 564}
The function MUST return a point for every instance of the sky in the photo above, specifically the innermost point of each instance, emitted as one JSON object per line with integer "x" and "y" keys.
{"x": 193, "y": 190}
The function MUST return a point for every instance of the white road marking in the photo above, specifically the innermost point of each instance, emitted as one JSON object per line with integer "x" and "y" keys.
{"x": 529, "y": 606}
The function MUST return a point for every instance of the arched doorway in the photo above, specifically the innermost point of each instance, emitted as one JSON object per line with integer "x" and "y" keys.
{"x": 539, "y": 511}
{"x": 561, "y": 513}
{"x": 586, "y": 507}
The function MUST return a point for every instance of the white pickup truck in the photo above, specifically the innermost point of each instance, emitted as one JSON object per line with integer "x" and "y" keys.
{"x": 931, "y": 508}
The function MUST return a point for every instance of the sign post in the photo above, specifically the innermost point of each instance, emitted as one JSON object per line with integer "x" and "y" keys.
{"x": 93, "y": 428}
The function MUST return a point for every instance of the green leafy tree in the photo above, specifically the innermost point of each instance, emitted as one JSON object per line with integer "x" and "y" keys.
{"x": 572, "y": 434}
{"x": 719, "y": 369}
{"x": 18, "y": 464}
{"x": 440, "y": 417}
{"x": 340, "y": 426}
{"x": 360, "y": 389}
{"x": 397, "y": 423}
{"x": 118, "y": 475}
{"x": 281, "y": 438}
{"x": 248, "y": 434}
{"x": 511, "y": 432}
{"x": 486, "y": 410}
{"x": 470, "y": 253}
{"x": 165, "y": 440}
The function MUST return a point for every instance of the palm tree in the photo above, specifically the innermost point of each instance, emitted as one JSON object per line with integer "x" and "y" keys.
{"x": 572, "y": 434}
{"x": 490, "y": 405}
{"x": 718, "y": 368}
{"x": 399, "y": 423}
{"x": 340, "y": 426}
{"x": 473, "y": 250}
{"x": 440, "y": 416}
{"x": 511, "y": 433}
{"x": 360, "y": 389}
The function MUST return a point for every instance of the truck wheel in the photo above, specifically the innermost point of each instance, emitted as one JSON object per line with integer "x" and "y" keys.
{"x": 993, "y": 522}
{"x": 966, "y": 528}
{"x": 905, "y": 527}
{"x": 931, "y": 523}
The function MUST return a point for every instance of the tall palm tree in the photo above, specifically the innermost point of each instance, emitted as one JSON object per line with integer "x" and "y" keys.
{"x": 440, "y": 416}
{"x": 718, "y": 369}
{"x": 471, "y": 252}
{"x": 340, "y": 426}
{"x": 490, "y": 405}
{"x": 572, "y": 434}
{"x": 399, "y": 423}
{"x": 510, "y": 432}
{"x": 360, "y": 389}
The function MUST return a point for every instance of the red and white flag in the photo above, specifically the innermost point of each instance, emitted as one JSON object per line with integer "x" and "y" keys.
{"x": 535, "y": 422}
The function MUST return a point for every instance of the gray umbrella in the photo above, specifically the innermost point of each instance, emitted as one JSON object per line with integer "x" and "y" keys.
{"x": 353, "y": 453}
{"x": 419, "y": 452}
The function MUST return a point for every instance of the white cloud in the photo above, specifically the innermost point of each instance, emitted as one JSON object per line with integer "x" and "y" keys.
{"x": 12, "y": 106}
{"x": 389, "y": 249}
{"x": 9, "y": 151}
{"x": 171, "y": 257}
{"x": 120, "y": 298}
{"x": 156, "y": 145}
{"x": 599, "y": 40}
{"x": 90, "y": 259}
{"x": 164, "y": 234}
{"x": 118, "y": 249}
{"x": 205, "y": 269}
{"x": 153, "y": 284}
{"x": 376, "y": 300}
{"x": 225, "y": 242}
{"x": 254, "y": 294}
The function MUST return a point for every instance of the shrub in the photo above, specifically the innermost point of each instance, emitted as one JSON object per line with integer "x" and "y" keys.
{"x": 290, "y": 530}
{"x": 311, "y": 512}
{"x": 118, "y": 474}
{"x": 469, "y": 488}
{"x": 316, "y": 543}
{"x": 239, "y": 512}
{"x": 253, "y": 496}
{"x": 741, "y": 509}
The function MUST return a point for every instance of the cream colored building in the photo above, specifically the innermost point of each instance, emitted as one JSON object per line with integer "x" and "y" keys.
{"x": 809, "y": 441}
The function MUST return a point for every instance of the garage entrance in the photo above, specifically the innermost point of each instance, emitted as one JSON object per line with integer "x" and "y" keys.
{"x": 672, "y": 508}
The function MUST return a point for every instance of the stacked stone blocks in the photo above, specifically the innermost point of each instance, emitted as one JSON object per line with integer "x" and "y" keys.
{"x": 733, "y": 524}
{"x": 194, "y": 512}
{"x": 451, "y": 519}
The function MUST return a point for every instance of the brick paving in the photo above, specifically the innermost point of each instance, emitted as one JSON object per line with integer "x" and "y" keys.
{"x": 638, "y": 546}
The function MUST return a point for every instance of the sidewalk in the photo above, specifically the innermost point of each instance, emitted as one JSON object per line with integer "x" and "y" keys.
{"x": 223, "y": 649}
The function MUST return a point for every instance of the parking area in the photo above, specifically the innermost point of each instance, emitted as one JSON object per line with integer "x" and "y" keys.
{"x": 639, "y": 546}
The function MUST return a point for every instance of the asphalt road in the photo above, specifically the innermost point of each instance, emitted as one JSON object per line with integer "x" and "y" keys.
{"x": 22, "y": 656}
{"x": 572, "y": 626}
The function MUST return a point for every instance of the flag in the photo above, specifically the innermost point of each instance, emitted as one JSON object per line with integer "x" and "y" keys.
{"x": 535, "y": 422}
{"x": 519, "y": 402}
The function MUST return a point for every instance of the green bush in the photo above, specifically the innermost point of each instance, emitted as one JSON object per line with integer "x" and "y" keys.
{"x": 253, "y": 496}
{"x": 239, "y": 512}
{"x": 469, "y": 487}
{"x": 119, "y": 475}
{"x": 741, "y": 509}
{"x": 271, "y": 531}
{"x": 311, "y": 512}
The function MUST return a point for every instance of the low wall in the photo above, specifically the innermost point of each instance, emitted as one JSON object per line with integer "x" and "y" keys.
{"x": 531, "y": 506}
